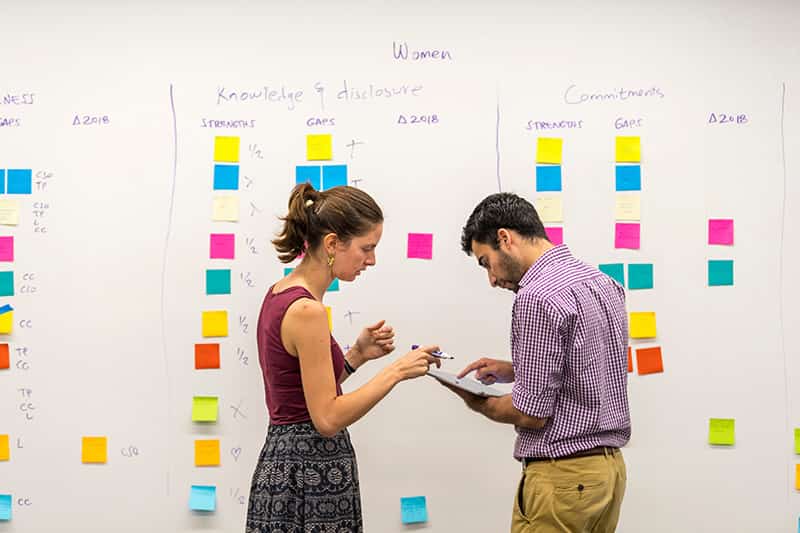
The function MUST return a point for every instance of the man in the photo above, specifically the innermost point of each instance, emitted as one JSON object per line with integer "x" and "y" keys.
{"x": 569, "y": 338}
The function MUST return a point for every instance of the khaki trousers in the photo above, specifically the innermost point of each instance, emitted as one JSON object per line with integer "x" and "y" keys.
{"x": 581, "y": 495}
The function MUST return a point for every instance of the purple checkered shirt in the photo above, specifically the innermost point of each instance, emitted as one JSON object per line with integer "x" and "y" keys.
{"x": 569, "y": 345}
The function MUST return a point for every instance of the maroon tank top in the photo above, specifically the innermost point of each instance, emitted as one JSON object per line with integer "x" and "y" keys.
{"x": 283, "y": 387}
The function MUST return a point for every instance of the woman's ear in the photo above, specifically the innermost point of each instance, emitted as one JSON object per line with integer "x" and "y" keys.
{"x": 329, "y": 242}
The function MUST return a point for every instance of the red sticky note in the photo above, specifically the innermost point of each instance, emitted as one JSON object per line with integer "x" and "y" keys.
{"x": 6, "y": 248}
{"x": 5, "y": 360}
{"x": 630, "y": 360}
{"x": 626, "y": 235}
{"x": 222, "y": 245}
{"x": 420, "y": 245}
{"x": 648, "y": 360}
{"x": 556, "y": 235}
{"x": 720, "y": 231}
{"x": 206, "y": 355}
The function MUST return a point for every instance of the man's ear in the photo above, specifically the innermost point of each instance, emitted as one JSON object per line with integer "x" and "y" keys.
{"x": 504, "y": 239}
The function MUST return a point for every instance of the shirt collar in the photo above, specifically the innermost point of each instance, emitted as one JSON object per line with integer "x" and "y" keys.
{"x": 551, "y": 256}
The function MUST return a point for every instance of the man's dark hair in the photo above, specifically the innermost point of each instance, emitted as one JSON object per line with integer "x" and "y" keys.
{"x": 501, "y": 210}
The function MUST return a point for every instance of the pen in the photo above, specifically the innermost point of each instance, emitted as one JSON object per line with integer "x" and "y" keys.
{"x": 437, "y": 353}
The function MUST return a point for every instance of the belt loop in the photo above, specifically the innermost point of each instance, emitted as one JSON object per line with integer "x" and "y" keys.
{"x": 606, "y": 452}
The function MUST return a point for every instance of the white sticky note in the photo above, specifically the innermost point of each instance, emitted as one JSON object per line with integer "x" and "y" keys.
{"x": 550, "y": 208}
{"x": 225, "y": 208}
{"x": 9, "y": 212}
{"x": 628, "y": 207}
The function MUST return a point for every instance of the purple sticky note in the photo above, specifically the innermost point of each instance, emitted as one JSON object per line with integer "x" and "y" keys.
{"x": 420, "y": 245}
{"x": 720, "y": 231}
{"x": 222, "y": 245}
{"x": 6, "y": 249}
{"x": 626, "y": 235}
{"x": 556, "y": 235}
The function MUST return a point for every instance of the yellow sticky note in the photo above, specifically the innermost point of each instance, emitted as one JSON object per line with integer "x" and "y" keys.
{"x": 215, "y": 323}
{"x": 206, "y": 452}
{"x": 6, "y": 323}
{"x": 548, "y": 150}
{"x": 319, "y": 147}
{"x": 797, "y": 441}
{"x": 643, "y": 325}
{"x": 225, "y": 208}
{"x": 204, "y": 408}
{"x": 9, "y": 212}
{"x": 721, "y": 431}
{"x": 226, "y": 149}
{"x": 629, "y": 150}
{"x": 5, "y": 449}
{"x": 94, "y": 450}
{"x": 550, "y": 208}
{"x": 796, "y": 477}
{"x": 330, "y": 317}
{"x": 628, "y": 207}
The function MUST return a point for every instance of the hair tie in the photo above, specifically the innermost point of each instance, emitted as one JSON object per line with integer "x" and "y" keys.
{"x": 309, "y": 203}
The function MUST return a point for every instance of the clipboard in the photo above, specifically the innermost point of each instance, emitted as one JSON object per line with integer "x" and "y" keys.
{"x": 467, "y": 384}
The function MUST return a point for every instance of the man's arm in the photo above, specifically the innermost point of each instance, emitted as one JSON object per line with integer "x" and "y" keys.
{"x": 499, "y": 409}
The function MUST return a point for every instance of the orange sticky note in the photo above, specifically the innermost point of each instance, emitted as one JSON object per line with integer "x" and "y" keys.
{"x": 5, "y": 449}
{"x": 630, "y": 360}
{"x": 206, "y": 355}
{"x": 5, "y": 359}
{"x": 94, "y": 450}
{"x": 206, "y": 452}
{"x": 648, "y": 360}
{"x": 797, "y": 477}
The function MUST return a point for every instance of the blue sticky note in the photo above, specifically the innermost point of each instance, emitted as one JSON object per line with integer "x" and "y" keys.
{"x": 333, "y": 176}
{"x": 629, "y": 178}
{"x": 333, "y": 287}
{"x": 413, "y": 510}
{"x": 640, "y": 276}
{"x": 615, "y": 271}
{"x": 203, "y": 498}
{"x": 19, "y": 181}
{"x": 720, "y": 272}
{"x": 2, "y": 181}
{"x": 5, "y": 507}
{"x": 5, "y": 309}
{"x": 218, "y": 281}
{"x": 309, "y": 173}
{"x": 7, "y": 283}
{"x": 548, "y": 178}
{"x": 226, "y": 177}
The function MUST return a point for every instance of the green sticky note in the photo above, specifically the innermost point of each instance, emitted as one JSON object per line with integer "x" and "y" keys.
{"x": 720, "y": 272}
{"x": 797, "y": 441}
{"x": 640, "y": 276}
{"x": 218, "y": 281}
{"x": 204, "y": 408}
{"x": 615, "y": 271}
{"x": 7, "y": 283}
{"x": 721, "y": 431}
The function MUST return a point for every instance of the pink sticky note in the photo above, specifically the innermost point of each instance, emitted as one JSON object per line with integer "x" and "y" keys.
{"x": 556, "y": 235}
{"x": 720, "y": 231}
{"x": 6, "y": 248}
{"x": 222, "y": 245}
{"x": 420, "y": 245}
{"x": 626, "y": 235}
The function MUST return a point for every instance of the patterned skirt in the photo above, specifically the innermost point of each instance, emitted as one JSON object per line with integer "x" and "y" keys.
{"x": 305, "y": 483}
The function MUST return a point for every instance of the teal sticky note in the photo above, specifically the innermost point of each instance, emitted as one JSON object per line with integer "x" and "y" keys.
{"x": 640, "y": 276}
{"x": 720, "y": 272}
{"x": 615, "y": 271}
{"x": 203, "y": 498}
{"x": 7, "y": 283}
{"x": 413, "y": 510}
{"x": 5, "y": 507}
{"x": 218, "y": 281}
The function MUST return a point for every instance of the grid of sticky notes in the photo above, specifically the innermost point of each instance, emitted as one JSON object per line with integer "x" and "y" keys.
{"x": 628, "y": 187}
{"x": 720, "y": 233}
{"x": 549, "y": 187}
{"x": 319, "y": 147}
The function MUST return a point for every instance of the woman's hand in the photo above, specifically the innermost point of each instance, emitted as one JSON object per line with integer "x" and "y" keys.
{"x": 375, "y": 341}
{"x": 416, "y": 362}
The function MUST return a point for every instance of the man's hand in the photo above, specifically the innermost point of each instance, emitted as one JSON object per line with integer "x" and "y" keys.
{"x": 489, "y": 371}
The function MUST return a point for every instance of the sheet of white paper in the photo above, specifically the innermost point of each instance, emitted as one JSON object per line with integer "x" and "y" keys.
{"x": 467, "y": 384}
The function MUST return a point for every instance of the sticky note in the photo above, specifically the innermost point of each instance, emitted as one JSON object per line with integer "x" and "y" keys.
{"x": 643, "y": 325}
{"x": 18, "y": 181}
{"x": 615, "y": 271}
{"x": 206, "y": 452}
{"x": 548, "y": 150}
{"x": 218, "y": 281}
{"x": 413, "y": 510}
{"x": 333, "y": 176}
{"x": 628, "y": 207}
{"x": 6, "y": 322}
{"x": 720, "y": 231}
{"x": 94, "y": 450}
{"x": 626, "y": 235}
{"x": 215, "y": 324}
{"x": 640, "y": 276}
{"x": 5, "y": 507}
{"x": 319, "y": 147}
{"x": 206, "y": 355}
{"x": 225, "y": 209}
{"x": 9, "y": 212}
{"x": 330, "y": 317}
{"x": 648, "y": 360}
{"x": 420, "y": 246}
{"x": 309, "y": 174}
{"x": 630, "y": 360}
{"x": 226, "y": 149}
{"x": 7, "y": 249}
{"x": 5, "y": 449}
{"x": 7, "y": 283}
{"x": 549, "y": 208}
{"x": 2, "y": 181}
{"x": 629, "y": 150}
{"x": 797, "y": 441}
{"x": 226, "y": 177}
{"x": 334, "y": 286}
{"x": 548, "y": 178}
{"x": 204, "y": 408}
{"x": 628, "y": 178}
{"x": 721, "y": 431}
{"x": 222, "y": 246}
{"x": 797, "y": 480}
{"x": 720, "y": 272}
{"x": 203, "y": 498}
{"x": 555, "y": 234}
{"x": 5, "y": 358}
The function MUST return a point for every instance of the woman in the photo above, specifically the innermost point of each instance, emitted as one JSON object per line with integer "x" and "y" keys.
{"x": 306, "y": 480}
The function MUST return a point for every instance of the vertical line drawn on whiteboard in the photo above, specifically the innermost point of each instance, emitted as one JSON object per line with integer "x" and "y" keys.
{"x": 780, "y": 257}
{"x": 497, "y": 142}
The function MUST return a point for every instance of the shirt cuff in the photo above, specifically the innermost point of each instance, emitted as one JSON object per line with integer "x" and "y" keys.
{"x": 540, "y": 406}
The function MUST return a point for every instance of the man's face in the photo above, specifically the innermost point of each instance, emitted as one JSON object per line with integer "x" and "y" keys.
{"x": 504, "y": 271}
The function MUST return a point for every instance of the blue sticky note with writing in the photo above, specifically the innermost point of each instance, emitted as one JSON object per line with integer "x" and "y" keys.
{"x": 413, "y": 510}
{"x": 2, "y": 181}
{"x": 5, "y": 507}
{"x": 333, "y": 287}
{"x": 18, "y": 181}
{"x": 333, "y": 176}
{"x": 7, "y": 283}
{"x": 629, "y": 177}
{"x": 226, "y": 177}
{"x": 218, "y": 281}
{"x": 203, "y": 498}
{"x": 548, "y": 178}
{"x": 720, "y": 272}
{"x": 640, "y": 276}
{"x": 615, "y": 271}
{"x": 308, "y": 174}
{"x": 5, "y": 309}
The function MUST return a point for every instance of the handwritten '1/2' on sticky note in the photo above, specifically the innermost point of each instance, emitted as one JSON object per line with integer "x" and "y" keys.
{"x": 420, "y": 246}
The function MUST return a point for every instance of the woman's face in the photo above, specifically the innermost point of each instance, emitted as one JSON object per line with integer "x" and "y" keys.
{"x": 354, "y": 256}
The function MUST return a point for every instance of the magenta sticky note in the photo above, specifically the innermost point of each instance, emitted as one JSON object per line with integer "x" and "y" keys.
{"x": 556, "y": 235}
{"x": 222, "y": 245}
{"x": 720, "y": 231}
{"x": 626, "y": 235}
{"x": 420, "y": 245}
{"x": 6, "y": 248}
